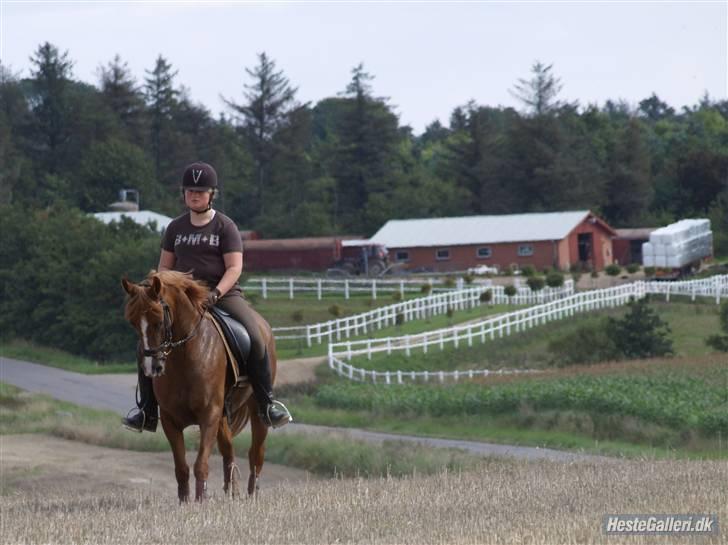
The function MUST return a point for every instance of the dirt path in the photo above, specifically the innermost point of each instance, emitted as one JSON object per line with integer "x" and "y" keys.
{"x": 298, "y": 371}
{"x": 39, "y": 463}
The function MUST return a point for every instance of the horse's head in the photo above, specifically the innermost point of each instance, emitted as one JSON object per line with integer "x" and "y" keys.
{"x": 145, "y": 313}
{"x": 151, "y": 309}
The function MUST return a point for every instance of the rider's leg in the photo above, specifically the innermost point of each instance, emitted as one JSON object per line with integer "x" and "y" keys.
{"x": 258, "y": 364}
{"x": 146, "y": 417}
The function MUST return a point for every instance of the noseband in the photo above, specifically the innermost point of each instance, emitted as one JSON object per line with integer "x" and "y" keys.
{"x": 162, "y": 351}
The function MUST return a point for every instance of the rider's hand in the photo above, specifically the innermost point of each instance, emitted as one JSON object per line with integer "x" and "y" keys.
{"x": 213, "y": 297}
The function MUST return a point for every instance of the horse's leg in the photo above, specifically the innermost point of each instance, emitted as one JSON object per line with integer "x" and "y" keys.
{"x": 256, "y": 454}
{"x": 225, "y": 445}
{"x": 208, "y": 431}
{"x": 181, "y": 469}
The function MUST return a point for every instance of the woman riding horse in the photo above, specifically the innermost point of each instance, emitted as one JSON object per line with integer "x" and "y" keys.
{"x": 208, "y": 244}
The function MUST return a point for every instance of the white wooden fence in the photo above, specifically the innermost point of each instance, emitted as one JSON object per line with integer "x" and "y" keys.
{"x": 345, "y": 287}
{"x": 500, "y": 326}
{"x": 416, "y": 309}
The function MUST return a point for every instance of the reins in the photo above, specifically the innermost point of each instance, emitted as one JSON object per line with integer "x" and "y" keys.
{"x": 162, "y": 351}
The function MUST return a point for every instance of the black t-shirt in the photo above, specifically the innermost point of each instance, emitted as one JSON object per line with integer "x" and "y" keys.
{"x": 200, "y": 250}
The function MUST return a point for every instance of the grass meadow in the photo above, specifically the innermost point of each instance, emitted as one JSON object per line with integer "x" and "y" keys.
{"x": 324, "y": 454}
{"x": 500, "y": 502}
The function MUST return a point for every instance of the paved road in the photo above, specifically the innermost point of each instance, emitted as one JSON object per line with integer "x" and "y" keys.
{"x": 116, "y": 393}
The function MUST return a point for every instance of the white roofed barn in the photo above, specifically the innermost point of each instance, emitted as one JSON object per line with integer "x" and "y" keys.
{"x": 542, "y": 240}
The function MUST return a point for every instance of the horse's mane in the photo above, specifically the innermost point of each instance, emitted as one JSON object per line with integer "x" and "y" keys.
{"x": 181, "y": 283}
{"x": 196, "y": 291}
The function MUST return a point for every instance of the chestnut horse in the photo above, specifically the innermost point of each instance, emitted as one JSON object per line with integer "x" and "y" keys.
{"x": 186, "y": 358}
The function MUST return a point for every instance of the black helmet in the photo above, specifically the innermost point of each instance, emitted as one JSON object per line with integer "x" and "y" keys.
{"x": 199, "y": 176}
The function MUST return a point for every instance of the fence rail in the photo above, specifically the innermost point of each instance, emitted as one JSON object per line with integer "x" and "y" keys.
{"x": 501, "y": 326}
{"x": 347, "y": 286}
{"x": 416, "y": 309}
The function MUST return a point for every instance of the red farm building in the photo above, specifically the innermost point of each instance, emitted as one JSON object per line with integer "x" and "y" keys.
{"x": 541, "y": 240}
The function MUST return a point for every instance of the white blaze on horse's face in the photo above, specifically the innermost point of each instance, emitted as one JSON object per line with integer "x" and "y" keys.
{"x": 143, "y": 326}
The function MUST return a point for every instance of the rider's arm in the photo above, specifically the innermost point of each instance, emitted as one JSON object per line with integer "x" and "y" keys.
{"x": 166, "y": 261}
{"x": 233, "y": 268}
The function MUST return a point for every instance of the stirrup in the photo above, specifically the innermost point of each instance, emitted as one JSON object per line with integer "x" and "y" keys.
{"x": 125, "y": 421}
{"x": 269, "y": 422}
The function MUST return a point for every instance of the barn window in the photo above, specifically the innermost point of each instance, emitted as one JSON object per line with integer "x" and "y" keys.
{"x": 525, "y": 250}
{"x": 401, "y": 256}
{"x": 484, "y": 252}
{"x": 442, "y": 255}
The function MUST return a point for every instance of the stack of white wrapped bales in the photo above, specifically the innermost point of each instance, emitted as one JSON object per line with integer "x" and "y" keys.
{"x": 678, "y": 244}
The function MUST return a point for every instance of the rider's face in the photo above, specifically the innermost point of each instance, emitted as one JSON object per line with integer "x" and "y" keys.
{"x": 197, "y": 200}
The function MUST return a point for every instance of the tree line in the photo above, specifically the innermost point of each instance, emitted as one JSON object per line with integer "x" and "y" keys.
{"x": 346, "y": 164}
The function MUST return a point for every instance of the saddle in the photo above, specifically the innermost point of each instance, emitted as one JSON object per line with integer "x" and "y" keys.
{"x": 237, "y": 386}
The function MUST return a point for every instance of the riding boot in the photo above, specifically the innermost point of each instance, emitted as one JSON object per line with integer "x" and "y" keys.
{"x": 272, "y": 412}
{"x": 145, "y": 417}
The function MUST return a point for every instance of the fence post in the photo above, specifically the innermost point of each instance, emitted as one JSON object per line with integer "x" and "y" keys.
{"x": 318, "y": 289}
{"x": 401, "y": 290}
{"x": 374, "y": 289}
{"x": 264, "y": 288}
{"x": 407, "y": 345}
{"x": 716, "y": 282}
{"x": 308, "y": 336}
{"x": 290, "y": 288}
{"x": 346, "y": 289}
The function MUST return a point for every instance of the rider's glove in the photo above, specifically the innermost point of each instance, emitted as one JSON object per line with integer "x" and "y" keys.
{"x": 213, "y": 297}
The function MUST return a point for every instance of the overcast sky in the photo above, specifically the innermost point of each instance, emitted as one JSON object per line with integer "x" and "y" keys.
{"x": 427, "y": 57}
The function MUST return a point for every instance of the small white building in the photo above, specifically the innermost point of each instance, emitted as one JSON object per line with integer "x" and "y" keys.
{"x": 147, "y": 218}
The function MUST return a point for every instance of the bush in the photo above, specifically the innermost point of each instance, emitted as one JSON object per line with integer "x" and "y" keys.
{"x": 594, "y": 274}
{"x": 426, "y": 289}
{"x": 554, "y": 279}
{"x": 613, "y": 269}
{"x": 510, "y": 290}
{"x": 649, "y": 271}
{"x": 720, "y": 342}
{"x": 335, "y": 311}
{"x": 449, "y": 282}
{"x": 61, "y": 272}
{"x": 486, "y": 296}
{"x": 297, "y": 316}
{"x": 468, "y": 278}
{"x": 633, "y": 268}
{"x": 641, "y": 333}
{"x": 587, "y": 344}
{"x": 536, "y": 283}
{"x": 397, "y": 296}
{"x": 528, "y": 271}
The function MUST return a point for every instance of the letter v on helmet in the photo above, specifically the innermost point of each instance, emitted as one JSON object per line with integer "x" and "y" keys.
{"x": 196, "y": 175}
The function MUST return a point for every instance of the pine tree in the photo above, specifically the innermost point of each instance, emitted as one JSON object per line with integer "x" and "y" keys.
{"x": 641, "y": 333}
{"x": 161, "y": 98}
{"x": 270, "y": 99}
{"x": 51, "y": 81}
{"x": 539, "y": 93}
{"x": 123, "y": 96}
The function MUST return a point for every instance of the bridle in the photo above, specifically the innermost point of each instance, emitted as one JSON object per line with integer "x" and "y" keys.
{"x": 162, "y": 351}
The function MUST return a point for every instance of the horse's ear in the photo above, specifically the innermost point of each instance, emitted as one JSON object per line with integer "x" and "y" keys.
{"x": 129, "y": 287}
{"x": 156, "y": 287}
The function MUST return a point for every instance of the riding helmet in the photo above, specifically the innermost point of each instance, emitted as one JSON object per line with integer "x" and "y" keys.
{"x": 199, "y": 176}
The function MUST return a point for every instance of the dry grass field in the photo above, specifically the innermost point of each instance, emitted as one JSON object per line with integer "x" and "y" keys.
{"x": 501, "y": 502}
